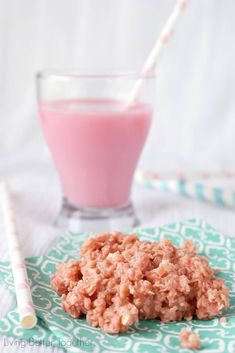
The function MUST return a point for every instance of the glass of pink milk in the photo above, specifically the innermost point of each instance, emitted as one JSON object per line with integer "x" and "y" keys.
{"x": 95, "y": 141}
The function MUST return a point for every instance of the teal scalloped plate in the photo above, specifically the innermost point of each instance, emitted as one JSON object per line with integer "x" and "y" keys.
{"x": 148, "y": 336}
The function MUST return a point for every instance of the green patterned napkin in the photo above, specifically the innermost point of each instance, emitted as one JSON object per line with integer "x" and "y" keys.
{"x": 56, "y": 328}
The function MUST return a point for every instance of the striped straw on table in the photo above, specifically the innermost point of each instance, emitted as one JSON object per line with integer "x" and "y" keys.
{"x": 27, "y": 316}
{"x": 179, "y": 184}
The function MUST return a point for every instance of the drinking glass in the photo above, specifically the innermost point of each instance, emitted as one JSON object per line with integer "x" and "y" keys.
{"x": 95, "y": 139}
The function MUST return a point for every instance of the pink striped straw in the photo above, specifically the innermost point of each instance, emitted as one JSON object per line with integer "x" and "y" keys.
{"x": 27, "y": 314}
{"x": 152, "y": 60}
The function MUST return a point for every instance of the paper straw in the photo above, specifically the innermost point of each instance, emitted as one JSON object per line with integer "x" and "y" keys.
{"x": 152, "y": 60}
{"x": 27, "y": 314}
{"x": 188, "y": 188}
{"x": 188, "y": 175}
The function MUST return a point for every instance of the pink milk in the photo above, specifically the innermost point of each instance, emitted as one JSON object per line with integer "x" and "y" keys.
{"x": 95, "y": 145}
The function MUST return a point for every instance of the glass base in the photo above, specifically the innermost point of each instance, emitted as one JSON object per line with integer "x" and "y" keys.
{"x": 77, "y": 218}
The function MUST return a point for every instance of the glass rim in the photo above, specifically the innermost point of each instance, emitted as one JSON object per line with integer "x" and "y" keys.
{"x": 92, "y": 74}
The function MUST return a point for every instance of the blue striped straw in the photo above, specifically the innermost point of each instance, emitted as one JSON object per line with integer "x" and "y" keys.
{"x": 187, "y": 188}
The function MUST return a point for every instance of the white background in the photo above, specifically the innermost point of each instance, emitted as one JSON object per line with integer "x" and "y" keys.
{"x": 194, "y": 123}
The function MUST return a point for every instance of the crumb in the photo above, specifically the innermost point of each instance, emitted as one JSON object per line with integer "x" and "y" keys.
{"x": 223, "y": 320}
{"x": 189, "y": 339}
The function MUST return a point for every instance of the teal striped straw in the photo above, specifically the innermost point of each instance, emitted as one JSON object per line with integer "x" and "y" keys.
{"x": 188, "y": 188}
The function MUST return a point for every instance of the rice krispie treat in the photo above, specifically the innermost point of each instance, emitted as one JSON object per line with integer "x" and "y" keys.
{"x": 120, "y": 279}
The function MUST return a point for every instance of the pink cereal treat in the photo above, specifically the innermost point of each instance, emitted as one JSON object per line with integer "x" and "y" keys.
{"x": 120, "y": 279}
